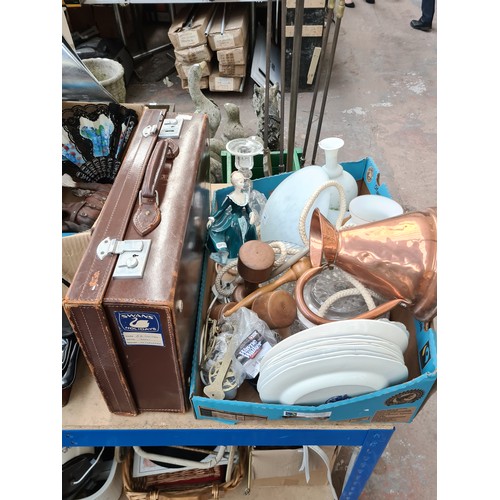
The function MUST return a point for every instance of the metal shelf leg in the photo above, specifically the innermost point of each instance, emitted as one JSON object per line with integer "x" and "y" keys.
{"x": 371, "y": 451}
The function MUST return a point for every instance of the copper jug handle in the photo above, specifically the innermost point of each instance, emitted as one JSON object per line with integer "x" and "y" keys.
{"x": 318, "y": 320}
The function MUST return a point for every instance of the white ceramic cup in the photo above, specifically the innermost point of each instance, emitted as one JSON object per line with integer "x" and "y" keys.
{"x": 372, "y": 207}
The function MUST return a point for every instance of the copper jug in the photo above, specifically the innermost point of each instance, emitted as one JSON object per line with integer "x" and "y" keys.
{"x": 395, "y": 257}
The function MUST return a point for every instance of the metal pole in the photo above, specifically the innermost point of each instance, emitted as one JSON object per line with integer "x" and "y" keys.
{"x": 150, "y": 52}
{"x": 294, "y": 80}
{"x": 266, "y": 161}
{"x": 118, "y": 18}
{"x": 338, "y": 18}
{"x": 322, "y": 58}
{"x": 282, "y": 85}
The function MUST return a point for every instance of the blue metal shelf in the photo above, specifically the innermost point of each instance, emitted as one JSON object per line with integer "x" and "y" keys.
{"x": 227, "y": 436}
{"x": 371, "y": 441}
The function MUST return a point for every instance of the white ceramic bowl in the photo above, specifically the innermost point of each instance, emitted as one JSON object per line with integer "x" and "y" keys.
{"x": 372, "y": 207}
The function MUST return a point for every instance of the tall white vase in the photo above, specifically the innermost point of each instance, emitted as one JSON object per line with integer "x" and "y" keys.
{"x": 336, "y": 172}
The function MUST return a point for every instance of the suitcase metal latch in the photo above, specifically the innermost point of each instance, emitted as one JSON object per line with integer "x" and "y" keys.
{"x": 132, "y": 256}
{"x": 171, "y": 128}
{"x": 149, "y": 130}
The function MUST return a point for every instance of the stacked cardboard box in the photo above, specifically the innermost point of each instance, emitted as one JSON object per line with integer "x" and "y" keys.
{"x": 228, "y": 38}
{"x": 188, "y": 35}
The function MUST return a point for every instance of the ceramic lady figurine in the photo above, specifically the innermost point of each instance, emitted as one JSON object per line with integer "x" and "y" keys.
{"x": 232, "y": 224}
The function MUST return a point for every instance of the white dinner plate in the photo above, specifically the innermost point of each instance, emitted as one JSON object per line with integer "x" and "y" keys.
{"x": 332, "y": 386}
{"x": 287, "y": 359}
{"x": 270, "y": 391}
{"x": 328, "y": 344}
{"x": 271, "y": 373}
{"x": 381, "y": 328}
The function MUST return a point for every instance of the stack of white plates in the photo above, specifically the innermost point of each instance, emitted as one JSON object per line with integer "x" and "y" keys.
{"x": 334, "y": 361}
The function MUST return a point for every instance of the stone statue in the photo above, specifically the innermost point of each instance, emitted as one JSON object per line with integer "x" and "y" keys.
{"x": 202, "y": 103}
{"x": 233, "y": 129}
{"x": 273, "y": 119}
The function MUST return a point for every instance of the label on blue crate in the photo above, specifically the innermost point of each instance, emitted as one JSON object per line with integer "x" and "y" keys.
{"x": 394, "y": 415}
{"x": 405, "y": 397}
{"x": 139, "y": 328}
{"x": 325, "y": 415}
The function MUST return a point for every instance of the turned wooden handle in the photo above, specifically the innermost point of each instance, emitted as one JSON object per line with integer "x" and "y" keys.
{"x": 292, "y": 274}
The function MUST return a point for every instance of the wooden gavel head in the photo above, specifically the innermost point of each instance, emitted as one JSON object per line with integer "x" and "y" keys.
{"x": 255, "y": 264}
{"x": 278, "y": 309}
{"x": 292, "y": 274}
{"x": 218, "y": 310}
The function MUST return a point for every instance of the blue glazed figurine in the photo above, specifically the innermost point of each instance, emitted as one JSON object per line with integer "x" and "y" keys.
{"x": 232, "y": 224}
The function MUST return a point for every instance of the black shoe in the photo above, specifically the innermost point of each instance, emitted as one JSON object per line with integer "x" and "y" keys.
{"x": 350, "y": 5}
{"x": 419, "y": 25}
{"x": 370, "y": 1}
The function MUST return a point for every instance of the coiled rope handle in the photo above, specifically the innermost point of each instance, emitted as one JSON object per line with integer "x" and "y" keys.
{"x": 312, "y": 199}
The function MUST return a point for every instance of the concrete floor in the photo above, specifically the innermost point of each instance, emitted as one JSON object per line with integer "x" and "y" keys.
{"x": 382, "y": 102}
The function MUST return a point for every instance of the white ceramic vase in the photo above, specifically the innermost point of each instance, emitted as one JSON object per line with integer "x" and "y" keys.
{"x": 336, "y": 172}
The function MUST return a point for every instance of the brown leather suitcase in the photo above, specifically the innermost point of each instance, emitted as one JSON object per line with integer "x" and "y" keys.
{"x": 133, "y": 300}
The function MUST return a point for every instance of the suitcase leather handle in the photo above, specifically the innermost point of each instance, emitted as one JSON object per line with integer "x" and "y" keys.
{"x": 148, "y": 215}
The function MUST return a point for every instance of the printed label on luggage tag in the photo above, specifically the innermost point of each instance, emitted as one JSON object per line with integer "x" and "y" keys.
{"x": 139, "y": 328}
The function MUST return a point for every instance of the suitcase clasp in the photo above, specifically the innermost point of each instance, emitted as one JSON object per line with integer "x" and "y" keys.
{"x": 149, "y": 130}
{"x": 132, "y": 256}
{"x": 171, "y": 128}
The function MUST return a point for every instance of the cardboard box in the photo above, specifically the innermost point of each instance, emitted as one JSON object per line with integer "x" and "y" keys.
{"x": 73, "y": 248}
{"x": 192, "y": 55}
{"x": 239, "y": 70}
{"x": 219, "y": 83}
{"x": 203, "y": 83}
{"x": 236, "y": 55}
{"x": 307, "y": 31}
{"x": 282, "y": 466}
{"x": 230, "y": 26}
{"x": 343, "y": 466}
{"x": 398, "y": 403}
{"x": 190, "y": 25}
{"x": 183, "y": 69}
